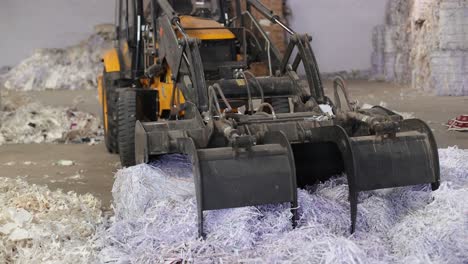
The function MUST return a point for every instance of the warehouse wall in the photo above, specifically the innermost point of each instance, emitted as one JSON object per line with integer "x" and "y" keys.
{"x": 342, "y": 30}
{"x": 29, "y": 24}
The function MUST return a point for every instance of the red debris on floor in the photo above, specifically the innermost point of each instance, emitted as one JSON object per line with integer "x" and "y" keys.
{"x": 459, "y": 124}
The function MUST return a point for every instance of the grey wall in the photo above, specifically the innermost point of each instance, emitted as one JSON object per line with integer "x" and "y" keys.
{"x": 29, "y": 24}
{"x": 342, "y": 30}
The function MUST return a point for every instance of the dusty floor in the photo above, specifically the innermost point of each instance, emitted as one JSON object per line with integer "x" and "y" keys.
{"x": 94, "y": 167}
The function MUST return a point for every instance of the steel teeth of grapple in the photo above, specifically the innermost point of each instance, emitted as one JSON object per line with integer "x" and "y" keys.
{"x": 375, "y": 162}
{"x": 230, "y": 177}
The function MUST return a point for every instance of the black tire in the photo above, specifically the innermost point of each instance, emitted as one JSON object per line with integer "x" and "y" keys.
{"x": 111, "y": 96}
{"x": 127, "y": 117}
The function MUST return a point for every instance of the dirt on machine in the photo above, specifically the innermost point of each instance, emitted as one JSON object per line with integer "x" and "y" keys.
{"x": 204, "y": 79}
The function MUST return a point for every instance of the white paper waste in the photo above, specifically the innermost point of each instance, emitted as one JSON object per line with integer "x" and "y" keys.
{"x": 75, "y": 67}
{"x": 23, "y": 121}
{"x": 42, "y": 226}
{"x": 155, "y": 221}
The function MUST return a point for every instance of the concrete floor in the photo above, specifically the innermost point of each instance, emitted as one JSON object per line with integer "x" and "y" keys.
{"x": 96, "y": 167}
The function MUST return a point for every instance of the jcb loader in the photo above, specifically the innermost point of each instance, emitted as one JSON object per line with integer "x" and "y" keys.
{"x": 184, "y": 78}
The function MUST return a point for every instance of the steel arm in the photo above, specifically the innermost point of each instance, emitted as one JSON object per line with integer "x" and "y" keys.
{"x": 306, "y": 55}
{"x": 167, "y": 9}
{"x": 182, "y": 55}
{"x": 268, "y": 13}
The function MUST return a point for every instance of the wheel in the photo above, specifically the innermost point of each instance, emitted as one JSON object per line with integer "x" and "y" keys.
{"x": 110, "y": 119}
{"x": 127, "y": 117}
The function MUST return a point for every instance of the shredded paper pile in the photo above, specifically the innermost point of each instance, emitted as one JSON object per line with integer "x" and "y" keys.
{"x": 156, "y": 222}
{"x": 75, "y": 67}
{"x": 24, "y": 121}
{"x": 42, "y": 226}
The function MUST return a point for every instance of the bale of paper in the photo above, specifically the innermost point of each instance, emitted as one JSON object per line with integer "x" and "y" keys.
{"x": 424, "y": 43}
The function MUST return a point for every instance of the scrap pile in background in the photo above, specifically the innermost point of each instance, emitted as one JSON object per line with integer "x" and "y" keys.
{"x": 75, "y": 67}
{"x": 41, "y": 226}
{"x": 424, "y": 43}
{"x": 24, "y": 121}
{"x": 155, "y": 221}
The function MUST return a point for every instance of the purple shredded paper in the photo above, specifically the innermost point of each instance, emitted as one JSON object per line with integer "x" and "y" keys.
{"x": 156, "y": 222}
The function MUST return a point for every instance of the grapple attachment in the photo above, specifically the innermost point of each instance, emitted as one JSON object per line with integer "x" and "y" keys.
{"x": 231, "y": 177}
{"x": 404, "y": 160}
{"x": 373, "y": 162}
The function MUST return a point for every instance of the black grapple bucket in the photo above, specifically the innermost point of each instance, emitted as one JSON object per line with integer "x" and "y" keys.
{"x": 228, "y": 177}
{"x": 370, "y": 162}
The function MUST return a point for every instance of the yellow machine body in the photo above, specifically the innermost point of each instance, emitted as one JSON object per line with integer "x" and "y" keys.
{"x": 111, "y": 61}
{"x": 201, "y": 28}
{"x": 205, "y": 29}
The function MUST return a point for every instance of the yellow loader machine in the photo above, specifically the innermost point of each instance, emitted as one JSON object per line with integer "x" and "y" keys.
{"x": 183, "y": 78}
